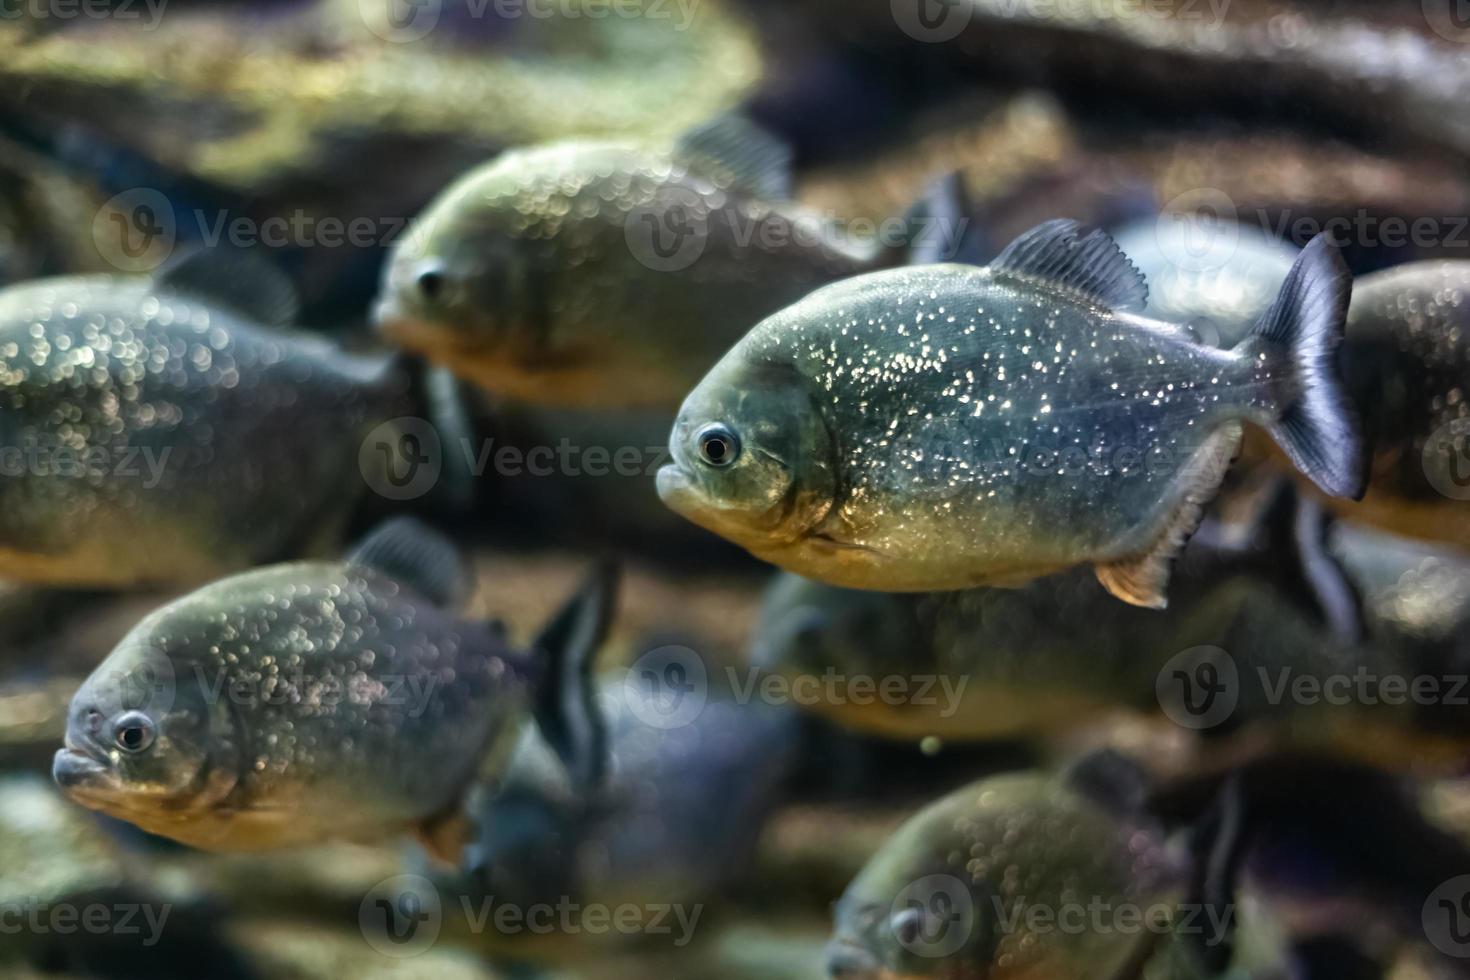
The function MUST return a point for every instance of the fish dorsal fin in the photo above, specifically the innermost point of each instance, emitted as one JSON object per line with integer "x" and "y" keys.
{"x": 1090, "y": 265}
{"x": 939, "y": 225}
{"x": 411, "y": 552}
{"x": 1143, "y": 580}
{"x": 756, "y": 161}
{"x": 1112, "y": 780}
{"x": 241, "y": 280}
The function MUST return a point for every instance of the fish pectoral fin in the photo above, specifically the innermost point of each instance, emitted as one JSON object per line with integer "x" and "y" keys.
{"x": 445, "y": 835}
{"x": 825, "y": 540}
{"x": 1143, "y": 580}
{"x": 1092, "y": 265}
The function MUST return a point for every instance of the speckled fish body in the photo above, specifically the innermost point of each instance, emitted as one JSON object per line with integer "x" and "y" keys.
{"x": 1407, "y": 358}
{"x": 602, "y": 274}
{"x": 321, "y": 655}
{"x": 961, "y": 890}
{"x": 946, "y": 426}
{"x": 303, "y": 702}
{"x": 148, "y": 435}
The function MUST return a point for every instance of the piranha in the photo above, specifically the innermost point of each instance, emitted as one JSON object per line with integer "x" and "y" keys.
{"x": 1407, "y": 360}
{"x": 1019, "y": 875}
{"x": 328, "y": 700}
{"x": 675, "y": 823}
{"x": 169, "y": 429}
{"x": 1060, "y": 653}
{"x": 1297, "y": 602}
{"x": 948, "y": 426}
{"x": 604, "y": 274}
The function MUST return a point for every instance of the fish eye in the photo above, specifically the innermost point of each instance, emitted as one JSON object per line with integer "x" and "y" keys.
{"x": 133, "y": 732}
{"x": 431, "y": 283}
{"x": 718, "y": 446}
{"x": 906, "y": 926}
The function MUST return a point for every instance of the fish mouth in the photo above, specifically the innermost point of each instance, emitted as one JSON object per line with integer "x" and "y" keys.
{"x": 675, "y": 488}
{"x": 387, "y": 316}
{"x": 78, "y": 773}
{"x": 847, "y": 960}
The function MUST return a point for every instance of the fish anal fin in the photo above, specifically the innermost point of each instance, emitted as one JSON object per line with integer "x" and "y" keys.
{"x": 1138, "y": 581}
{"x": 1143, "y": 579}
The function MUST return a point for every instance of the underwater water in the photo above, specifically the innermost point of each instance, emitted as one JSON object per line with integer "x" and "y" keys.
{"x": 734, "y": 489}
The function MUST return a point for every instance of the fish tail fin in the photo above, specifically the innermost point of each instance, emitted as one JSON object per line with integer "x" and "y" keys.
{"x": 1318, "y": 430}
{"x": 566, "y": 708}
{"x": 940, "y": 226}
